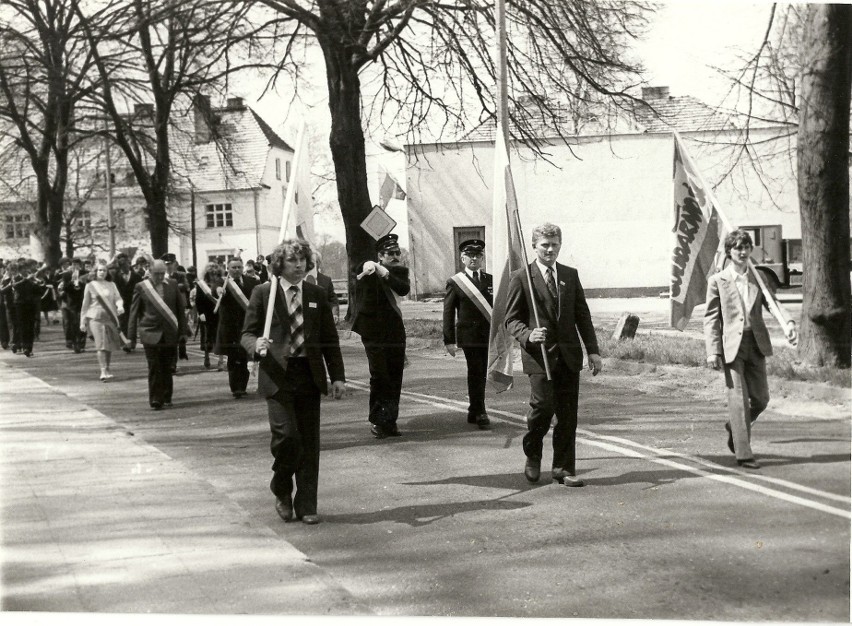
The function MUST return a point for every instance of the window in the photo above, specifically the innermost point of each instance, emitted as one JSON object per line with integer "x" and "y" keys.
{"x": 287, "y": 168}
{"x": 221, "y": 258}
{"x": 278, "y": 169}
{"x": 83, "y": 222}
{"x": 219, "y": 215}
{"x": 17, "y": 226}
{"x": 119, "y": 219}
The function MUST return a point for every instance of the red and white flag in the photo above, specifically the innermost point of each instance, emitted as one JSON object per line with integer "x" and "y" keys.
{"x": 506, "y": 245}
{"x": 698, "y": 229}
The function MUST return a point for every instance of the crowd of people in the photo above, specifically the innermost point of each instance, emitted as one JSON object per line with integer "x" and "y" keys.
{"x": 278, "y": 314}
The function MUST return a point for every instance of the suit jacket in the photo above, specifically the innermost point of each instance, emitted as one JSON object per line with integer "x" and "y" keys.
{"x": 322, "y": 345}
{"x": 72, "y": 294}
{"x": 324, "y": 283}
{"x": 148, "y": 324}
{"x": 125, "y": 287}
{"x": 572, "y": 322}
{"x": 724, "y": 317}
{"x": 473, "y": 328}
{"x": 231, "y": 315}
{"x": 375, "y": 318}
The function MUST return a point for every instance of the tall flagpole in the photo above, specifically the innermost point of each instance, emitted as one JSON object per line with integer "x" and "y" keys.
{"x": 503, "y": 128}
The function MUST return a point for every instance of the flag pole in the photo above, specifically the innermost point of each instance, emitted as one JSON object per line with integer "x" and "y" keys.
{"x": 503, "y": 129}
{"x": 768, "y": 295}
{"x": 290, "y": 198}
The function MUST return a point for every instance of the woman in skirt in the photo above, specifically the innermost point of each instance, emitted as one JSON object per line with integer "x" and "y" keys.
{"x": 102, "y": 306}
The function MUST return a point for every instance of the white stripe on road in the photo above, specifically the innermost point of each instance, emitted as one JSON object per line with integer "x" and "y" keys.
{"x": 659, "y": 456}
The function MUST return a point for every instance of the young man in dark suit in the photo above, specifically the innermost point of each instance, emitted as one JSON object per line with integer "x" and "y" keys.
{"x": 157, "y": 318}
{"x": 73, "y": 286}
{"x": 301, "y": 345}
{"x": 378, "y": 320}
{"x": 232, "y": 312}
{"x": 469, "y": 299}
{"x": 563, "y": 320}
{"x": 125, "y": 280}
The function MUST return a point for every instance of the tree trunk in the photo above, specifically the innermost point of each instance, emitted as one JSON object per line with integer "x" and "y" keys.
{"x": 823, "y": 172}
{"x": 350, "y": 163}
{"x": 158, "y": 226}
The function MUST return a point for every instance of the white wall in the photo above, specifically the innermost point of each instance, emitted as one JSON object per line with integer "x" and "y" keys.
{"x": 612, "y": 197}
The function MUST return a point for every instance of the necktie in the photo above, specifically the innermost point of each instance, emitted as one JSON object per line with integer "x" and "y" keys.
{"x": 297, "y": 335}
{"x": 551, "y": 287}
{"x": 476, "y": 278}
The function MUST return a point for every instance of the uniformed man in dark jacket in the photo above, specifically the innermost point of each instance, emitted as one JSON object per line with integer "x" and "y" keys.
{"x": 378, "y": 320}
{"x": 233, "y": 304}
{"x": 467, "y": 324}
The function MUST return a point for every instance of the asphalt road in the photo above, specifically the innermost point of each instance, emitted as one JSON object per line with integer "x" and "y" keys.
{"x": 441, "y": 521}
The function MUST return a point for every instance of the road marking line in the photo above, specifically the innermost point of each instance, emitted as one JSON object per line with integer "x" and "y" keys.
{"x": 658, "y": 457}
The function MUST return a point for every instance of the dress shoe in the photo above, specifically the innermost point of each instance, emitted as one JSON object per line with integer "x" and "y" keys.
{"x": 284, "y": 508}
{"x": 207, "y": 362}
{"x": 471, "y": 419}
{"x": 238, "y": 394}
{"x": 532, "y": 470}
{"x": 167, "y": 403}
{"x": 311, "y": 519}
{"x": 730, "y": 437}
{"x": 748, "y": 463}
{"x": 569, "y": 479}
{"x": 483, "y": 422}
{"x": 378, "y": 431}
{"x": 156, "y": 405}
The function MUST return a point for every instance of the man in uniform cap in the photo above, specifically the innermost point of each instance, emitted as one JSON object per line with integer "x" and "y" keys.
{"x": 378, "y": 320}
{"x": 467, "y": 324}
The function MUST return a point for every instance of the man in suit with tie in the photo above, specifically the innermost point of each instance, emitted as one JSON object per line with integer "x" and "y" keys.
{"x": 125, "y": 280}
{"x": 157, "y": 318}
{"x": 469, "y": 299}
{"x": 378, "y": 320}
{"x": 737, "y": 340}
{"x": 563, "y": 320}
{"x": 301, "y": 345}
{"x": 232, "y": 312}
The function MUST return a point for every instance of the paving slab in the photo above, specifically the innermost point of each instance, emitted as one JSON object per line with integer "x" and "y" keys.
{"x": 96, "y": 519}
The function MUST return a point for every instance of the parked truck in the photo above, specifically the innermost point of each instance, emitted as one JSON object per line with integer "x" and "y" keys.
{"x": 778, "y": 260}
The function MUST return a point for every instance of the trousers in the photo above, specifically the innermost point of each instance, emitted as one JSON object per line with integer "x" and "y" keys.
{"x": 548, "y": 398}
{"x": 747, "y": 391}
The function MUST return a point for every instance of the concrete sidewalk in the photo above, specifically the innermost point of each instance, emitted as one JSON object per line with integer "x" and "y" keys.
{"x": 95, "y": 519}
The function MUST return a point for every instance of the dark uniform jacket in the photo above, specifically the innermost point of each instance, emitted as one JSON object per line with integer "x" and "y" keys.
{"x": 72, "y": 294}
{"x": 375, "y": 318}
{"x": 322, "y": 346}
{"x": 146, "y": 322}
{"x": 125, "y": 287}
{"x": 232, "y": 315}
{"x": 473, "y": 328}
{"x": 572, "y": 321}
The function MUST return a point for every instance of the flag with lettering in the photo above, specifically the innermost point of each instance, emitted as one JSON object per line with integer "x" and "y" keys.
{"x": 507, "y": 255}
{"x": 698, "y": 230}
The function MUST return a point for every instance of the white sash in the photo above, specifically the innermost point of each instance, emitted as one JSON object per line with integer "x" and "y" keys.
{"x": 105, "y": 302}
{"x": 159, "y": 304}
{"x": 238, "y": 294}
{"x": 205, "y": 288}
{"x": 472, "y": 291}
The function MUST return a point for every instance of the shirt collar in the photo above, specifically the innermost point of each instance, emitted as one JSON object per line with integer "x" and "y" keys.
{"x": 543, "y": 269}
{"x": 286, "y": 284}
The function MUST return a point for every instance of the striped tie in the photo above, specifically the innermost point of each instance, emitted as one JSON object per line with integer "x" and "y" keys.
{"x": 297, "y": 335}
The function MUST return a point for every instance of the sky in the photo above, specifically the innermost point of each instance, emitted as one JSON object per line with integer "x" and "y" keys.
{"x": 686, "y": 38}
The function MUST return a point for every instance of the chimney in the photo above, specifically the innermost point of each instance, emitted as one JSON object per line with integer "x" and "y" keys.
{"x": 655, "y": 93}
{"x": 235, "y": 103}
{"x": 202, "y": 116}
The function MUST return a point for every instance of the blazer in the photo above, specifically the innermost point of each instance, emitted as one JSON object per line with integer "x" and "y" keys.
{"x": 473, "y": 328}
{"x": 324, "y": 283}
{"x": 375, "y": 318}
{"x": 573, "y": 321}
{"x": 147, "y": 323}
{"x": 322, "y": 345}
{"x": 72, "y": 294}
{"x": 724, "y": 317}
{"x": 125, "y": 287}
{"x": 231, "y": 315}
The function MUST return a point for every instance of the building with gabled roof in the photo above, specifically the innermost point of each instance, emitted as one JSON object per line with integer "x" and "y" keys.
{"x": 608, "y": 185}
{"x": 230, "y": 173}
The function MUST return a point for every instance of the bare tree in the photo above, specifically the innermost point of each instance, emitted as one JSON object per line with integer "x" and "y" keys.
{"x": 823, "y": 162}
{"x": 44, "y": 68}
{"x": 433, "y": 63}
{"x": 798, "y": 82}
{"x": 161, "y": 58}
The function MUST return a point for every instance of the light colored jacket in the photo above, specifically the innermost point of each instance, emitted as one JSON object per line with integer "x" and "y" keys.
{"x": 724, "y": 319}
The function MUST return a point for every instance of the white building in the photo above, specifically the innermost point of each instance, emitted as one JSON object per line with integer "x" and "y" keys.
{"x": 611, "y": 192}
{"x": 235, "y": 186}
